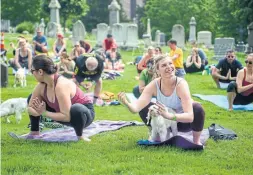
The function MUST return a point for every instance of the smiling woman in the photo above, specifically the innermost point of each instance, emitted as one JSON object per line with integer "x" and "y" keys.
{"x": 57, "y": 98}
{"x": 172, "y": 92}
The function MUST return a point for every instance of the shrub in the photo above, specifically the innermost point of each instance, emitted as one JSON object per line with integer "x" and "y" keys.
{"x": 28, "y": 26}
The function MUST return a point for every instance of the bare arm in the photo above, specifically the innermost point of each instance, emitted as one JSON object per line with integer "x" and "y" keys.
{"x": 216, "y": 73}
{"x": 142, "y": 62}
{"x": 144, "y": 99}
{"x": 239, "y": 80}
{"x": 141, "y": 85}
{"x": 54, "y": 48}
{"x": 197, "y": 62}
{"x": 183, "y": 93}
{"x": 29, "y": 59}
{"x": 16, "y": 58}
{"x": 36, "y": 94}
{"x": 189, "y": 61}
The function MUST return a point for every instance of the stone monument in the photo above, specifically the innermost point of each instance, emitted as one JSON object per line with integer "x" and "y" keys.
{"x": 54, "y": 11}
{"x": 114, "y": 8}
{"x": 192, "y": 35}
{"x": 42, "y": 25}
{"x": 178, "y": 34}
{"x": 249, "y": 48}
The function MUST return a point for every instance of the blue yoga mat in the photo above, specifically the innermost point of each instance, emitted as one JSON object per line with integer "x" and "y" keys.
{"x": 221, "y": 101}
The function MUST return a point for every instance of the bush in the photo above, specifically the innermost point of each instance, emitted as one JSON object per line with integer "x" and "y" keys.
{"x": 25, "y": 26}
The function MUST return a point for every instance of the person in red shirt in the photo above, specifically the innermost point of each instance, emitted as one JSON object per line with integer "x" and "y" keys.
{"x": 109, "y": 43}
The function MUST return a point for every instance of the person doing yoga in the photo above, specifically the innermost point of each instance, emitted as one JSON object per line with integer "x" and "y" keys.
{"x": 57, "y": 98}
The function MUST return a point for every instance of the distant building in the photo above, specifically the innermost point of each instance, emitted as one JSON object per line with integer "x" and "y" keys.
{"x": 130, "y": 6}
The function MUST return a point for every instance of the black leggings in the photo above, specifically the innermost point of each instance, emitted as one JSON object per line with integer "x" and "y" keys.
{"x": 197, "y": 124}
{"x": 193, "y": 69}
{"x": 81, "y": 116}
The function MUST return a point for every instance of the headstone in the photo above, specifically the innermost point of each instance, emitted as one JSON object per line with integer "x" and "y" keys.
{"x": 240, "y": 47}
{"x": 162, "y": 39}
{"x": 54, "y": 11}
{"x": 42, "y": 25}
{"x": 117, "y": 33}
{"x": 221, "y": 45}
{"x": 157, "y": 38}
{"x": 125, "y": 26}
{"x": 205, "y": 37}
{"x": 114, "y": 8}
{"x": 249, "y": 48}
{"x": 135, "y": 20}
{"x": 5, "y": 25}
{"x": 4, "y": 75}
{"x": 132, "y": 36}
{"x": 102, "y": 31}
{"x": 147, "y": 40}
{"x": 78, "y": 32}
{"x": 178, "y": 34}
{"x": 149, "y": 29}
{"x": 94, "y": 32}
{"x": 36, "y": 25}
{"x": 52, "y": 29}
{"x": 192, "y": 35}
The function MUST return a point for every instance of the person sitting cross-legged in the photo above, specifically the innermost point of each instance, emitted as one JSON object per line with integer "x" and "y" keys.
{"x": 40, "y": 42}
{"x": 193, "y": 63}
{"x": 241, "y": 91}
{"x": 226, "y": 70}
{"x": 66, "y": 66}
{"x": 57, "y": 98}
{"x": 76, "y": 51}
{"x": 59, "y": 45}
{"x": 113, "y": 60}
{"x": 145, "y": 78}
{"x": 171, "y": 92}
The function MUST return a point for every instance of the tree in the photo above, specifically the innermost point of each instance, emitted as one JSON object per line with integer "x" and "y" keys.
{"x": 18, "y": 11}
{"x": 70, "y": 9}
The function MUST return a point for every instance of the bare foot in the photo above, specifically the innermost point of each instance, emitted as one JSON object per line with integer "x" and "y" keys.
{"x": 199, "y": 143}
{"x": 84, "y": 138}
{"x": 230, "y": 109}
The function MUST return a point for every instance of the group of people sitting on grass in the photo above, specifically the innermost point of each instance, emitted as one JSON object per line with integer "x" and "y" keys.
{"x": 229, "y": 72}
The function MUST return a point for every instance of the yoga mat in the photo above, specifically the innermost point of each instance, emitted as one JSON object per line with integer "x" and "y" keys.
{"x": 68, "y": 134}
{"x": 132, "y": 98}
{"x": 182, "y": 140}
{"x": 221, "y": 101}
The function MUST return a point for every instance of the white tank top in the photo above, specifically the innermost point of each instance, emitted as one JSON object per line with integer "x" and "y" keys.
{"x": 172, "y": 101}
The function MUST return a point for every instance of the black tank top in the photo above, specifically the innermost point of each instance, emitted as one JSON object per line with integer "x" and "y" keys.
{"x": 23, "y": 59}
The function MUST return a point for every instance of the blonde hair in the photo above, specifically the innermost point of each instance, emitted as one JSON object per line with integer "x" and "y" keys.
{"x": 158, "y": 59}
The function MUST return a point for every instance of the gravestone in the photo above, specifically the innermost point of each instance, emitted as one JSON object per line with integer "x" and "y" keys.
{"x": 42, "y": 25}
{"x": 78, "y": 32}
{"x": 249, "y": 48}
{"x": 125, "y": 25}
{"x": 5, "y": 25}
{"x": 192, "y": 35}
{"x": 132, "y": 36}
{"x": 94, "y": 32}
{"x": 157, "y": 38}
{"x": 114, "y": 8}
{"x": 221, "y": 45}
{"x": 54, "y": 11}
{"x": 102, "y": 31}
{"x": 240, "y": 46}
{"x": 117, "y": 33}
{"x": 52, "y": 29}
{"x": 162, "y": 39}
{"x": 178, "y": 34}
{"x": 4, "y": 75}
{"x": 205, "y": 37}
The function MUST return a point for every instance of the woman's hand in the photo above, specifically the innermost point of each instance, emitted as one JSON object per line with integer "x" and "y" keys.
{"x": 38, "y": 106}
{"x": 123, "y": 99}
{"x": 162, "y": 110}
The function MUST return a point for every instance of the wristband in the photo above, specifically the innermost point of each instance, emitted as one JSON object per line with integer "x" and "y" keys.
{"x": 95, "y": 97}
{"x": 44, "y": 114}
{"x": 174, "y": 118}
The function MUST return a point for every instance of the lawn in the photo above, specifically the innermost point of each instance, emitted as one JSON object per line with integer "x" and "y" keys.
{"x": 116, "y": 152}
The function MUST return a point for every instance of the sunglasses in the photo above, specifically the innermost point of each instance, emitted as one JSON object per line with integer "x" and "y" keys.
{"x": 230, "y": 56}
{"x": 250, "y": 62}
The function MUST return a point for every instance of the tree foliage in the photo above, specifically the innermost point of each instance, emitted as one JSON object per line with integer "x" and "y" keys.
{"x": 18, "y": 11}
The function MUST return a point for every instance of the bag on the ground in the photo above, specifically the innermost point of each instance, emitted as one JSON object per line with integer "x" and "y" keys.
{"x": 218, "y": 132}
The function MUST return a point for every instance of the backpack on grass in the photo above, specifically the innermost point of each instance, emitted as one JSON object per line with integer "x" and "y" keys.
{"x": 218, "y": 132}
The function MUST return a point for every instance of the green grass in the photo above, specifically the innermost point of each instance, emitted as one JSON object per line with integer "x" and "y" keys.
{"x": 116, "y": 152}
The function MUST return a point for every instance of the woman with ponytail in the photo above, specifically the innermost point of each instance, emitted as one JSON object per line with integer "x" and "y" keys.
{"x": 57, "y": 98}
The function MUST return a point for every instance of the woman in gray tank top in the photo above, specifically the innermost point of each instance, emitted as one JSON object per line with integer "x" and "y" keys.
{"x": 172, "y": 92}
